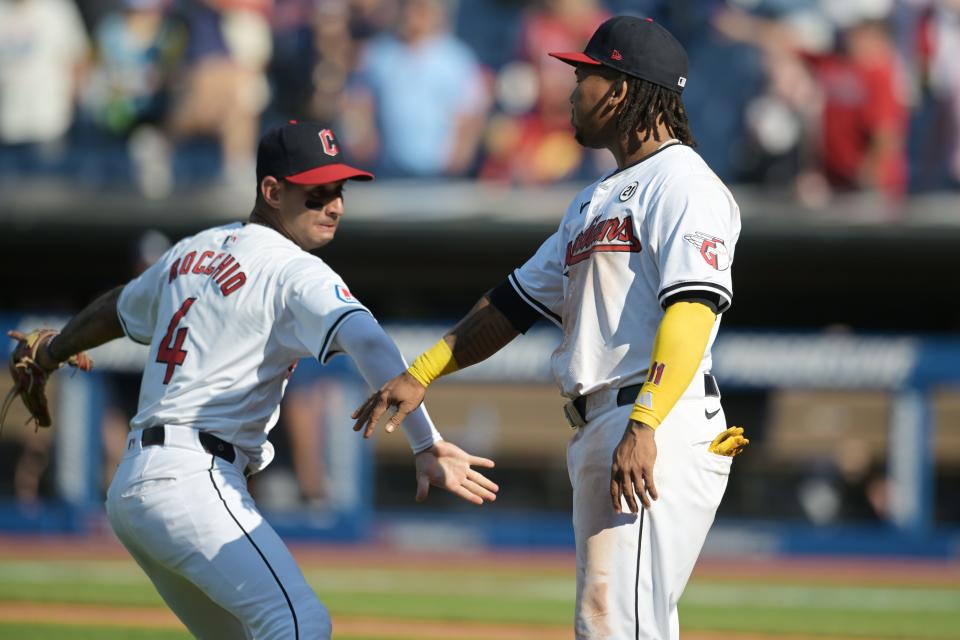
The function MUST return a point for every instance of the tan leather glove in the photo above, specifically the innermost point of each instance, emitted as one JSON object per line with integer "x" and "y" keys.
{"x": 30, "y": 379}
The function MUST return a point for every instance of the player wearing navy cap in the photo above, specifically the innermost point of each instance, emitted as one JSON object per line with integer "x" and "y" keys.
{"x": 637, "y": 276}
{"x": 226, "y": 315}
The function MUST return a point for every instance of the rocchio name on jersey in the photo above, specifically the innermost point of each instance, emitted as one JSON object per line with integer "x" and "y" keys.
{"x": 222, "y": 267}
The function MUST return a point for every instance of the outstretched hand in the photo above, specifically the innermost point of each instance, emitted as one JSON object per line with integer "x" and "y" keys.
{"x": 449, "y": 467}
{"x": 402, "y": 392}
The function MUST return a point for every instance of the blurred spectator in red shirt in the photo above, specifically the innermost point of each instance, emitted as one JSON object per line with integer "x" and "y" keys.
{"x": 851, "y": 99}
{"x": 557, "y": 25}
{"x": 531, "y": 141}
{"x": 864, "y": 122}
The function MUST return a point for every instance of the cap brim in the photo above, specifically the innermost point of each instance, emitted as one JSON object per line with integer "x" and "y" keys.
{"x": 575, "y": 58}
{"x": 329, "y": 173}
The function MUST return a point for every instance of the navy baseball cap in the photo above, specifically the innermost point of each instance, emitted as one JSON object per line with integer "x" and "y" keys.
{"x": 304, "y": 153}
{"x": 638, "y": 47}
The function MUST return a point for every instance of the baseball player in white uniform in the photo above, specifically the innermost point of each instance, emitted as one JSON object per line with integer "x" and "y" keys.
{"x": 636, "y": 276}
{"x": 227, "y": 313}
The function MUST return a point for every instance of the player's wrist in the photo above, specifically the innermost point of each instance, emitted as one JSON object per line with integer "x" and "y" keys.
{"x": 645, "y": 416}
{"x": 639, "y": 427}
{"x": 436, "y": 361}
{"x": 411, "y": 377}
{"x": 432, "y": 448}
{"x": 46, "y": 357}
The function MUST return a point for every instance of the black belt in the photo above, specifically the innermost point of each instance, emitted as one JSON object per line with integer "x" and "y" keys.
{"x": 628, "y": 395}
{"x": 155, "y": 436}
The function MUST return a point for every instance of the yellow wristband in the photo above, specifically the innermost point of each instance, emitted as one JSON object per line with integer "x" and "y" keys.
{"x": 433, "y": 363}
{"x": 644, "y": 414}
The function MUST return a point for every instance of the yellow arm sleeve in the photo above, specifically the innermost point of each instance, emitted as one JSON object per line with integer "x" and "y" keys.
{"x": 677, "y": 351}
{"x": 434, "y": 362}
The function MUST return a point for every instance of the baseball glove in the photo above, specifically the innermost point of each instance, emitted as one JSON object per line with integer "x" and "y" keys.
{"x": 30, "y": 379}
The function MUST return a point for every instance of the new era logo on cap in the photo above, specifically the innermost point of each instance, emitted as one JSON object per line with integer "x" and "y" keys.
{"x": 304, "y": 153}
{"x": 638, "y": 47}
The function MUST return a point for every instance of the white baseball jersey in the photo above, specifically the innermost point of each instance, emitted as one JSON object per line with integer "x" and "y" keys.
{"x": 628, "y": 243}
{"x": 227, "y": 314}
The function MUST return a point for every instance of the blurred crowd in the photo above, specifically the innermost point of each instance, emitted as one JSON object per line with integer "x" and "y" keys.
{"x": 808, "y": 98}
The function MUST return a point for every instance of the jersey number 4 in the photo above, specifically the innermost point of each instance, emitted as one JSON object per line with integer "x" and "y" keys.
{"x": 171, "y": 351}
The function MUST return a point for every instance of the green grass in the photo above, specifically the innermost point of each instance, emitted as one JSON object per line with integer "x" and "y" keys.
{"x": 849, "y": 610}
{"x": 55, "y": 632}
{"x": 51, "y": 631}
{"x": 468, "y": 595}
{"x": 520, "y": 595}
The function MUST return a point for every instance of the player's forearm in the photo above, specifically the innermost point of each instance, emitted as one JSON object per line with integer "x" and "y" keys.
{"x": 96, "y": 324}
{"x": 678, "y": 349}
{"x": 480, "y": 334}
{"x": 483, "y": 332}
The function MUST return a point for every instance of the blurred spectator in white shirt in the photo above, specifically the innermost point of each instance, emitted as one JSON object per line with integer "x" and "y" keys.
{"x": 43, "y": 53}
{"x": 945, "y": 73}
{"x": 419, "y": 100}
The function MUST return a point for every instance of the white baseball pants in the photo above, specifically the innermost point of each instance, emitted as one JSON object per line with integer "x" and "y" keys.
{"x": 188, "y": 520}
{"x": 632, "y": 569}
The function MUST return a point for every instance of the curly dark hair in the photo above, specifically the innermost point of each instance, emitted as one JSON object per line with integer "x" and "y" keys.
{"x": 647, "y": 103}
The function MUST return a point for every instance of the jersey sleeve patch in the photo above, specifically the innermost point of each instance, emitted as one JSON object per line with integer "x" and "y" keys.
{"x": 712, "y": 249}
{"x": 343, "y": 294}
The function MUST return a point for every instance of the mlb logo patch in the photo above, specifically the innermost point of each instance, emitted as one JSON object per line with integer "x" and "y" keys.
{"x": 344, "y": 295}
{"x": 682, "y": 82}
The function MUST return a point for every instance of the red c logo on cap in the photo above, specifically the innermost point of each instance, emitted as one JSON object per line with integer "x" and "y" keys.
{"x": 326, "y": 137}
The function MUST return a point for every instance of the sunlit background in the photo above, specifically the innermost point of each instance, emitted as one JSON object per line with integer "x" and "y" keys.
{"x": 127, "y": 124}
